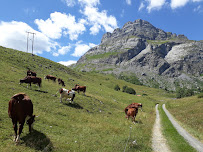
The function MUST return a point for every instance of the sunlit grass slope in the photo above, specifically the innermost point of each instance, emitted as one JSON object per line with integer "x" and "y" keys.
{"x": 95, "y": 122}
{"x": 189, "y": 112}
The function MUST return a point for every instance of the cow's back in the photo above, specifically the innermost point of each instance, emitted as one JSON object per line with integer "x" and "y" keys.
{"x": 19, "y": 110}
{"x": 132, "y": 112}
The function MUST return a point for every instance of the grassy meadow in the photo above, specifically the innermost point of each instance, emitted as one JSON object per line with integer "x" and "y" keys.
{"x": 95, "y": 122}
{"x": 189, "y": 113}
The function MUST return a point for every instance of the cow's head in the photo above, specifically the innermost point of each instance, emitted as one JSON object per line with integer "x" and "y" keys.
{"x": 61, "y": 90}
{"x": 140, "y": 105}
{"x": 31, "y": 120}
{"x": 22, "y": 81}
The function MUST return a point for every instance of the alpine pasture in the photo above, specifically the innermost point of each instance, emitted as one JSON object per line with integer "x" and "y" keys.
{"x": 94, "y": 122}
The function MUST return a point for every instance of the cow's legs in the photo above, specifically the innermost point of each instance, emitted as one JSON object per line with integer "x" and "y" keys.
{"x": 73, "y": 97}
{"x": 15, "y": 127}
{"x": 60, "y": 99}
{"x": 19, "y": 131}
{"x": 30, "y": 127}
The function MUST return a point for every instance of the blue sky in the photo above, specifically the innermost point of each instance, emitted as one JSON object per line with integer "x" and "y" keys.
{"x": 66, "y": 29}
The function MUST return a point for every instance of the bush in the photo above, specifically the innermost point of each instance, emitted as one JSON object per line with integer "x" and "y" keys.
{"x": 128, "y": 90}
{"x": 117, "y": 88}
{"x": 200, "y": 95}
{"x": 183, "y": 92}
{"x": 130, "y": 78}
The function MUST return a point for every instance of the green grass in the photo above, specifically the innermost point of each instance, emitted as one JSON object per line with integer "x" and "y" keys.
{"x": 96, "y": 122}
{"x": 157, "y": 42}
{"x": 175, "y": 141}
{"x": 103, "y": 55}
{"x": 188, "y": 111}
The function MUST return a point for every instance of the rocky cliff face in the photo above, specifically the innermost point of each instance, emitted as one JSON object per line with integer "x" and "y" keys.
{"x": 154, "y": 56}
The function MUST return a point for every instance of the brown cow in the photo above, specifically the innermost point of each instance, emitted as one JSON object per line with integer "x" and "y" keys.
{"x": 50, "y": 77}
{"x": 31, "y": 73}
{"x": 132, "y": 112}
{"x": 20, "y": 109}
{"x": 79, "y": 88}
{"x": 32, "y": 79}
{"x": 133, "y": 105}
{"x": 60, "y": 81}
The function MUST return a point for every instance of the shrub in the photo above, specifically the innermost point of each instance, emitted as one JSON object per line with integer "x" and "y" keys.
{"x": 130, "y": 78}
{"x": 129, "y": 90}
{"x": 184, "y": 92}
{"x": 117, "y": 88}
{"x": 200, "y": 95}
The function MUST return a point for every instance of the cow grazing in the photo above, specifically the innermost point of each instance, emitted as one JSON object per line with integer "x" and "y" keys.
{"x": 60, "y": 81}
{"x": 32, "y": 79}
{"x": 50, "y": 77}
{"x": 20, "y": 109}
{"x": 133, "y": 105}
{"x": 79, "y": 88}
{"x": 31, "y": 73}
{"x": 132, "y": 112}
{"x": 64, "y": 93}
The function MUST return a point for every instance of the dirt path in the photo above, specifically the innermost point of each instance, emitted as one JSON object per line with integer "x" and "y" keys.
{"x": 159, "y": 143}
{"x": 191, "y": 140}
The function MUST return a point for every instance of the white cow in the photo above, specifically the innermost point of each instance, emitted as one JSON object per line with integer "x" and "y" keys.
{"x": 64, "y": 93}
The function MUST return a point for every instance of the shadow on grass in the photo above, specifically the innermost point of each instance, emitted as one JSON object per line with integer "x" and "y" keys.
{"x": 37, "y": 141}
{"x": 41, "y": 91}
{"x": 73, "y": 105}
{"x": 138, "y": 121}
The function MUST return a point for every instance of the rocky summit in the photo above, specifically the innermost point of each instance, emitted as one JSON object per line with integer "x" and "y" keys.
{"x": 157, "y": 58}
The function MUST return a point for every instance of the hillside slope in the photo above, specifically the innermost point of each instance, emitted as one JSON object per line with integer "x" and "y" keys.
{"x": 95, "y": 122}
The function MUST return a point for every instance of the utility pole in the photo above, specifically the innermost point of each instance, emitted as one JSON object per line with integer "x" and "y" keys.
{"x": 30, "y": 39}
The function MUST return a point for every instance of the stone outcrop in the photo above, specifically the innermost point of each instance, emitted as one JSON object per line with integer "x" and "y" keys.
{"x": 153, "y": 55}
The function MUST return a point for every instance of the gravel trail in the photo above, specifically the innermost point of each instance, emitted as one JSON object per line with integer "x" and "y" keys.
{"x": 191, "y": 140}
{"x": 159, "y": 143}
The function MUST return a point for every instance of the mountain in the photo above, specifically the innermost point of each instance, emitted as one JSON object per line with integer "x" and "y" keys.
{"x": 157, "y": 58}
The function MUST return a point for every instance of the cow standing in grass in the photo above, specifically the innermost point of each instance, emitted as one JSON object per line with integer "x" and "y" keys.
{"x": 60, "y": 81}
{"x": 31, "y": 73}
{"x": 133, "y": 105}
{"x": 79, "y": 88}
{"x": 64, "y": 93}
{"x": 20, "y": 108}
{"x": 132, "y": 110}
{"x": 50, "y": 77}
{"x": 32, "y": 79}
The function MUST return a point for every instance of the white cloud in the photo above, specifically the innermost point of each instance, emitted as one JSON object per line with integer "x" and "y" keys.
{"x": 141, "y": 6}
{"x": 128, "y": 2}
{"x": 64, "y": 50}
{"x": 81, "y": 49}
{"x": 67, "y": 63}
{"x": 178, "y": 3}
{"x": 198, "y": 9}
{"x": 197, "y": 0}
{"x": 59, "y": 24}
{"x": 69, "y": 3}
{"x": 155, "y": 4}
{"x": 13, "y": 35}
{"x": 90, "y": 3}
{"x": 99, "y": 20}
